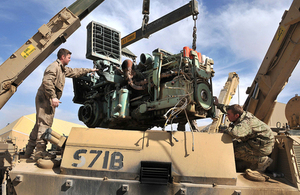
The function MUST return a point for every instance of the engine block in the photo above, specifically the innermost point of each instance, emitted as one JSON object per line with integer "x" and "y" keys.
{"x": 162, "y": 88}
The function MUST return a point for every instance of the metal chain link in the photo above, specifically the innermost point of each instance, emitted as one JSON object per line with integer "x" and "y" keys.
{"x": 194, "y": 32}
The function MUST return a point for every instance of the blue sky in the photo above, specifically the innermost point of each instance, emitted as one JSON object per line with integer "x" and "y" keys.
{"x": 235, "y": 33}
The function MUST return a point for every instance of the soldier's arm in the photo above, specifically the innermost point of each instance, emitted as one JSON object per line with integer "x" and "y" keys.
{"x": 240, "y": 130}
{"x": 222, "y": 107}
{"x": 77, "y": 72}
{"x": 49, "y": 82}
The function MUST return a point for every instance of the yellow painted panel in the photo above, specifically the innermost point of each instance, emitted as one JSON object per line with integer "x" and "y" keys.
{"x": 279, "y": 33}
{"x": 28, "y": 51}
{"x": 128, "y": 38}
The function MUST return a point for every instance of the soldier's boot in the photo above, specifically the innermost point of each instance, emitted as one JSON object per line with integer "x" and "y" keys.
{"x": 41, "y": 152}
{"x": 29, "y": 150}
{"x": 264, "y": 163}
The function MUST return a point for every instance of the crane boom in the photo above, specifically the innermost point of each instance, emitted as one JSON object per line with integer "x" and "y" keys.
{"x": 49, "y": 36}
{"x": 277, "y": 66}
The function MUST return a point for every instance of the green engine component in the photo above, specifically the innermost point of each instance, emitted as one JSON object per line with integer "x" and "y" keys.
{"x": 161, "y": 89}
{"x": 204, "y": 97}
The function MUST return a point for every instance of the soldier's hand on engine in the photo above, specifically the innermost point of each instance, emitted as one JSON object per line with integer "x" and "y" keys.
{"x": 94, "y": 70}
{"x": 55, "y": 102}
{"x": 216, "y": 101}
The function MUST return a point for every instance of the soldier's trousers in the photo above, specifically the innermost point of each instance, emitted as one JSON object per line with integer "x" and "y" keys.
{"x": 44, "y": 119}
{"x": 243, "y": 151}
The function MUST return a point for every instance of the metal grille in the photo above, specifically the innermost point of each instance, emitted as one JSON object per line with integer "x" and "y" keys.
{"x": 155, "y": 172}
{"x": 297, "y": 155}
{"x": 103, "y": 43}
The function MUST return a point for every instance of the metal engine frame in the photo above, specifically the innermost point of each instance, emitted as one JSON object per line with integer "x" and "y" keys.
{"x": 163, "y": 88}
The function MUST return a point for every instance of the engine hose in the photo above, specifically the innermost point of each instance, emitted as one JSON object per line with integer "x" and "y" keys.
{"x": 128, "y": 73}
{"x": 134, "y": 86}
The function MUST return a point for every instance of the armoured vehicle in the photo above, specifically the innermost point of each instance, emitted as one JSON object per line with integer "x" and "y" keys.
{"x": 124, "y": 100}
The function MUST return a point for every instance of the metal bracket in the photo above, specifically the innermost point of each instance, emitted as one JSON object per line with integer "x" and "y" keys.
{"x": 237, "y": 192}
{"x": 183, "y": 191}
{"x": 195, "y": 10}
{"x": 19, "y": 178}
{"x": 125, "y": 187}
{"x": 69, "y": 183}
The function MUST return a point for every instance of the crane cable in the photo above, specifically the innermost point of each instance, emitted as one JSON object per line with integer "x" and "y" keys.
{"x": 194, "y": 32}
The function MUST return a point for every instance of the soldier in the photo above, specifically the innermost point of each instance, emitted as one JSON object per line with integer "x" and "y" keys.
{"x": 47, "y": 99}
{"x": 253, "y": 139}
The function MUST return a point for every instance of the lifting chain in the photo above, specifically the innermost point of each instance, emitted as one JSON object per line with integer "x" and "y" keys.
{"x": 194, "y": 32}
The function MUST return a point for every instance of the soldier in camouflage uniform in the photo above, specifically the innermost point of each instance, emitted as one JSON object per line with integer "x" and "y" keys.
{"x": 253, "y": 139}
{"x": 47, "y": 99}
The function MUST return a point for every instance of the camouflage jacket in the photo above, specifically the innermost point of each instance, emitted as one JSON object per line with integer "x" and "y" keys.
{"x": 54, "y": 78}
{"x": 250, "y": 129}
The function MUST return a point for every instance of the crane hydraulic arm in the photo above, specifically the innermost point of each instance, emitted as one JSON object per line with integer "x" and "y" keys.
{"x": 49, "y": 36}
{"x": 277, "y": 66}
{"x": 225, "y": 97}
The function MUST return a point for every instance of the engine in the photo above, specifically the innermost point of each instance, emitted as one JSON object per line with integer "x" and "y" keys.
{"x": 163, "y": 88}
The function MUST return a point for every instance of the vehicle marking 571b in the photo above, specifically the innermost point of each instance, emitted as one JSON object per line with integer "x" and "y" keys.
{"x": 116, "y": 159}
